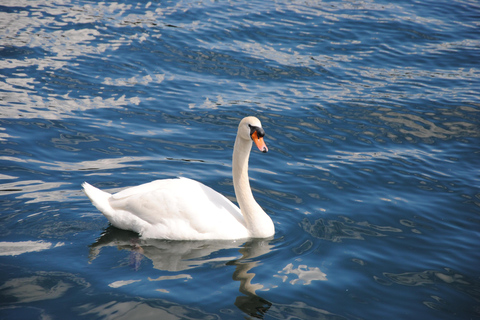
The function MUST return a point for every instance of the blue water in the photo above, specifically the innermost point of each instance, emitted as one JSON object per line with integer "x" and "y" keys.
{"x": 372, "y": 118}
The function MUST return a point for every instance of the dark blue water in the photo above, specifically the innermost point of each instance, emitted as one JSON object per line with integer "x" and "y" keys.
{"x": 372, "y": 116}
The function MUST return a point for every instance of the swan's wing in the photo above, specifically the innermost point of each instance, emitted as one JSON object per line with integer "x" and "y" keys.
{"x": 177, "y": 208}
{"x": 143, "y": 188}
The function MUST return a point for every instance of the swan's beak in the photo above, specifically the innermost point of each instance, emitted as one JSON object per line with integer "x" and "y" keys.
{"x": 259, "y": 142}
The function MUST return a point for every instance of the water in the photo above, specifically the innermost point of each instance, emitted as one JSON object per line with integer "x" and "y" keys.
{"x": 371, "y": 111}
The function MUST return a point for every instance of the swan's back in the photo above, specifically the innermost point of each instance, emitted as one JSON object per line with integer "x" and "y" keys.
{"x": 181, "y": 209}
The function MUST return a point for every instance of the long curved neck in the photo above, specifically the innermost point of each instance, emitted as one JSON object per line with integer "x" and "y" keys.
{"x": 258, "y": 222}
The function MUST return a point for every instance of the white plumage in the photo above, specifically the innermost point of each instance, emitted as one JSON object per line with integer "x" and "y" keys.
{"x": 184, "y": 209}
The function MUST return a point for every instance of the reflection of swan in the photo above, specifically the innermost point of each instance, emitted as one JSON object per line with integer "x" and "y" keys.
{"x": 175, "y": 256}
{"x": 249, "y": 302}
{"x": 165, "y": 255}
{"x": 184, "y": 209}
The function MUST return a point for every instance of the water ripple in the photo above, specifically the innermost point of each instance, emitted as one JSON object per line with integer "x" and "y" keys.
{"x": 372, "y": 120}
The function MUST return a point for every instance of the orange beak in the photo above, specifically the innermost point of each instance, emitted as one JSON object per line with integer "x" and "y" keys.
{"x": 259, "y": 142}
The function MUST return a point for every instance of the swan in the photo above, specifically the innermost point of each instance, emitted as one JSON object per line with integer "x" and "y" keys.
{"x": 185, "y": 209}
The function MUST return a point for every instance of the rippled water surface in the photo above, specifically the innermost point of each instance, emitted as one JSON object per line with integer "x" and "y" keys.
{"x": 372, "y": 118}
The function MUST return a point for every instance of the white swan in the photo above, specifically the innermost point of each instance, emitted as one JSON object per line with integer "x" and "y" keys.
{"x": 184, "y": 209}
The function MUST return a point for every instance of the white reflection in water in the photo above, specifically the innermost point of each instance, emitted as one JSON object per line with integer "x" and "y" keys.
{"x": 40, "y": 286}
{"x": 97, "y": 165}
{"x": 55, "y": 107}
{"x": 66, "y": 44}
{"x": 305, "y": 274}
{"x": 17, "y": 248}
{"x": 41, "y": 191}
{"x": 34, "y": 289}
{"x": 142, "y": 310}
{"x": 35, "y": 27}
{"x": 38, "y": 191}
{"x": 121, "y": 283}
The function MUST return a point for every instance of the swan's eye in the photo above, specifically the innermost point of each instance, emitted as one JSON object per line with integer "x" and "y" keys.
{"x": 259, "y": 130}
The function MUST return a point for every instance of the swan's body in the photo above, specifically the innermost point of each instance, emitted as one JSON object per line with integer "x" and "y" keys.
{"x": 184, "y": 209}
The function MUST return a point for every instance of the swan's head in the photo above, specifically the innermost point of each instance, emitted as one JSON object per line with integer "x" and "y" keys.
{"x": 250, "y": 128}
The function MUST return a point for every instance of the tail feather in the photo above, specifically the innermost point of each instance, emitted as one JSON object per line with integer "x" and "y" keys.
{"x": 98, "y": 197}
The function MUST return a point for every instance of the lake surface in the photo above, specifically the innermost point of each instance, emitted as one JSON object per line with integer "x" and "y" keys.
{"x": 372, "y": 118}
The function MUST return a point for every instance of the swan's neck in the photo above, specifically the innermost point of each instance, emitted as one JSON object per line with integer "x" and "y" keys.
{"x": 258, "y": 222}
